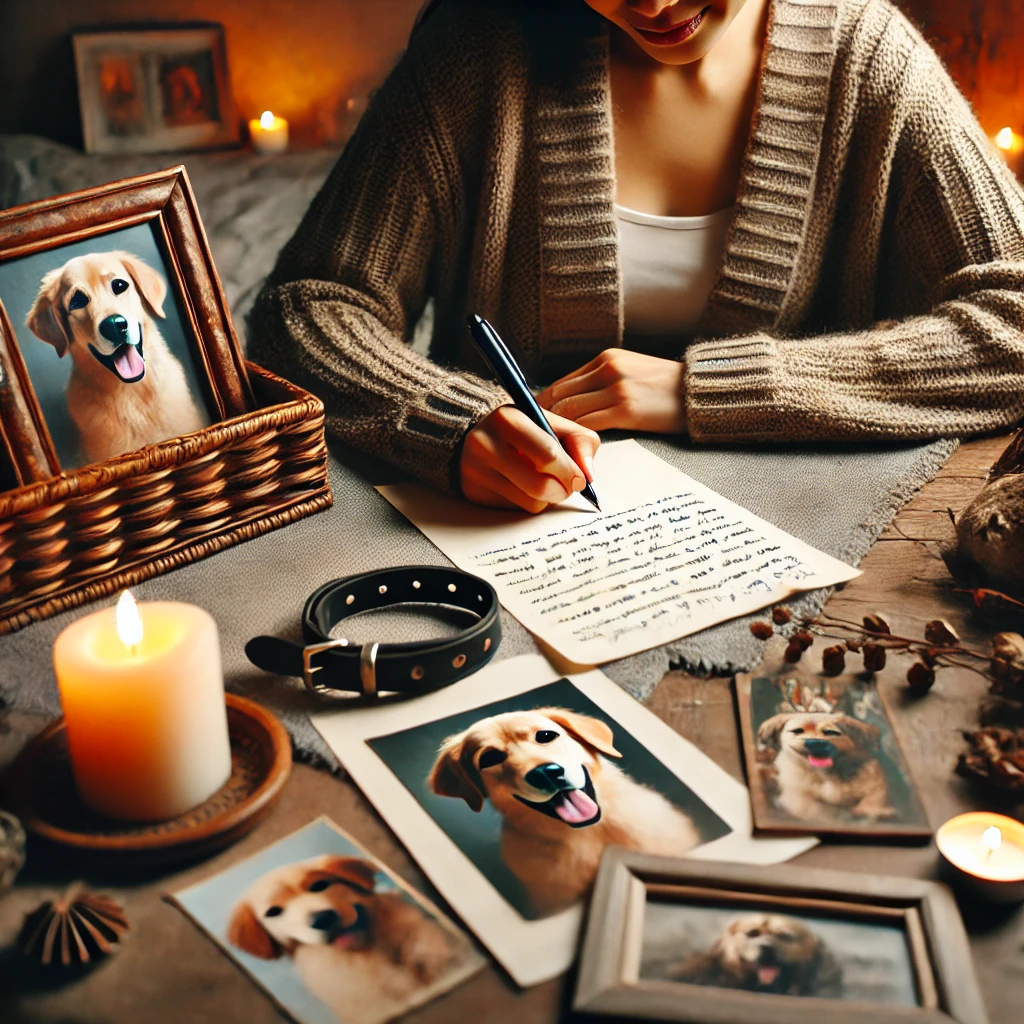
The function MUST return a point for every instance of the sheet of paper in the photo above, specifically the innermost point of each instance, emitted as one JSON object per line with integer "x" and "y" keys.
{"x": 665, "y": 558}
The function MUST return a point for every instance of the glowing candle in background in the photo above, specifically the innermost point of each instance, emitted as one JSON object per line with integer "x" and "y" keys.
{"x": 144, "y": 710}
{"x": 1011, "y": 145}
{"x": 269, "y": 134}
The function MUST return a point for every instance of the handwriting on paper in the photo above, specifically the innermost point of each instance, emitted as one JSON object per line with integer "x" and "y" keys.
{"x": 666, "y": 558}
{"x": 669, "y": 558}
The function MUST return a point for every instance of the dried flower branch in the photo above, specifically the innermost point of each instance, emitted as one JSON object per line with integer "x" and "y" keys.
{"x": 994, "y": 756}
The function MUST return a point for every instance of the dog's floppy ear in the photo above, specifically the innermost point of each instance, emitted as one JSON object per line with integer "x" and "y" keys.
{"x": 864, "y": 734}
{"x": 46, "y": 319}
{"x": 152, "y": 286}
{"x": 770, "y": 731}
{"x": 360, "y": 874}
{"x": 453, "y": 773}
{"x": 245, "y": 932}
{"x": 590, "y": 731}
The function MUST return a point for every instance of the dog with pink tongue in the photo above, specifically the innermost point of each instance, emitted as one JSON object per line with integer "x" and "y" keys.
{"x": 562, "y": 801}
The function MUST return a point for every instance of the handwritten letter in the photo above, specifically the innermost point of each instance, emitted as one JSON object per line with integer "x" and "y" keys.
{"x": 666, "y": 558}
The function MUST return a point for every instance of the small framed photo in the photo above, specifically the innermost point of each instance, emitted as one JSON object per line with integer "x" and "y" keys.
{"x": 114, "y": 330}
{"x": 154, "y": 90}
{"x": 684, "y": 940}
{"x": 823, "y": 759}
{"x": 329, "y": 931}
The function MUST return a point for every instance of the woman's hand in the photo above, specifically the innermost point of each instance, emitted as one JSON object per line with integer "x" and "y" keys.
{"x": 622, "y": 390}
{"x": 509, "y": 462}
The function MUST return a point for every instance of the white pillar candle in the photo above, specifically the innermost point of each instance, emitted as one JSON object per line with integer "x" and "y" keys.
{"x": 985, "y": 852}
{"x": 144, "y": 708}
{"x": 269, "y": 134}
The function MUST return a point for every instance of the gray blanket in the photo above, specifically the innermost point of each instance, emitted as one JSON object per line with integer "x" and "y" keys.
{"x": 837, "y": 499}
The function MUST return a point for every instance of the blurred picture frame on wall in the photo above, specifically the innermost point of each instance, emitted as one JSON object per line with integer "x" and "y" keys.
{"x": 153, "y": 90}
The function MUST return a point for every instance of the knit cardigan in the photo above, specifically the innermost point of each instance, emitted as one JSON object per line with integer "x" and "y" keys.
{"x": 872, "y": 286}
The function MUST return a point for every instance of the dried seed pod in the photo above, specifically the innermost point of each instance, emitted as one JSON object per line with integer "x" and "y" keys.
{"x": 941, "y": 633}
{"x": 833, "y": 660}
{"x": 762, "y": 630}
{"x": 804, "y": 639}
{"x": 875, "y": 623}
{"x": 794, "y": 652}
{"x": 78, "y": 927}
{"x": 995, "y": 756}
{"x": 781, "y": 615}
{"x": 853, "y": 644}
{"x": 1009, "y": 647}
{"x": 874, "y": 657}
{"x": 920, "y": 677}
{"x": 930, "y": 656}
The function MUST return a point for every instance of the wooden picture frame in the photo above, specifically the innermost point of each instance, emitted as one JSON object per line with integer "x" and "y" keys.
{"x": 870, "y": 791}
{"x": 611, "y": 981}
{"x": 162, "y": 204}
{"x": 151, "y": 90}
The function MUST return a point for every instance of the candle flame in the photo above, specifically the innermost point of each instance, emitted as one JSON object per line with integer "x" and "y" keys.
{"x": 267, "y": 122}
{"x": 129, "y": 621}
{"x": 1004, "y": 138}
{"x": 991, "y": 839}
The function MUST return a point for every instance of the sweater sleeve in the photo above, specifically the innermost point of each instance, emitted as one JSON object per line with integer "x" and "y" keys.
{"x": 950, "y": 358}
{"x": 337, "y": 312}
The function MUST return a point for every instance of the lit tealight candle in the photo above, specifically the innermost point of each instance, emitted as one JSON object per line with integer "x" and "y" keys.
{"x": 269, "y": 133}
{"x": 985, "y": 852}
{"x": 144, "y": 709}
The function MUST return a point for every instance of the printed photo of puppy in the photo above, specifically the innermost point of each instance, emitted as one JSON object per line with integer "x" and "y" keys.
{"x": 549, "y": 774}
{"x": 827, "y": 767}
{"x": 362, "y": 952}
{"x": 126, "y": 388}
{"x": 766, "y": 953}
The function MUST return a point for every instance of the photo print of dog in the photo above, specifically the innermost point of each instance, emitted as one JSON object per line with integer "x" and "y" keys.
{"x": 826, "y": 755}
{"x": 126, "y": 389}
{"x": 774, "y": 952}
{"x": 333, "y": 936}
{"x": 535, "y": 787}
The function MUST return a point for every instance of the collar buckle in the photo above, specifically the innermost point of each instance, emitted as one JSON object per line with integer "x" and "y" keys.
{"x": 308, "y": 668}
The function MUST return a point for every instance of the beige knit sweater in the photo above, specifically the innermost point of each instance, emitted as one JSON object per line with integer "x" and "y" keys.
{"x": 872, "y": 285}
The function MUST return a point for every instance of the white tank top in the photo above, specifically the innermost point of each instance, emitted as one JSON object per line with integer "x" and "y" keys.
{"x": 668, "y": 267}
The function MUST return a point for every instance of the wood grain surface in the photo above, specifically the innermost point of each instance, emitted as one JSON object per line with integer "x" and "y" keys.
{"x": 168, "y": 972}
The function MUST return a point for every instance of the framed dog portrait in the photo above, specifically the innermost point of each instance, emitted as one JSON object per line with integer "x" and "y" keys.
{"x": 153, "y": 90}
{"x": 507, "y": 787}
{"x": 683, "y": 940}
{"x": 114, "y": 330}
{"x": 822, "y": 758}
{"x": 329, "y": 932}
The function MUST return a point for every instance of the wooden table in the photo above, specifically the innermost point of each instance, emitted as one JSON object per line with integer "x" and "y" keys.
{"x": 169, "y": 972}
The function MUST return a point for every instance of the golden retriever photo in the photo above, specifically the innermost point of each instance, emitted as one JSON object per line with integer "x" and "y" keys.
{"x": 362, "y": 943}
{"x": 769, "y": 953}
{"x": 126, "y": 389}
{"x": 550, "y": 775}
{"x": 825, "y": 755}
{"x": 772, "y": 952}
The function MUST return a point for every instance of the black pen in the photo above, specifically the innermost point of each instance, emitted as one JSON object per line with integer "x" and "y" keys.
{"x": 511, "y": 378}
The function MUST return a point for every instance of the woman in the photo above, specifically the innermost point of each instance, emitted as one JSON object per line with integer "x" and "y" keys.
{"x": 799, "y": 188}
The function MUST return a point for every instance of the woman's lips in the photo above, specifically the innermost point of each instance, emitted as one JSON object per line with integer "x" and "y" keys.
{"x": 674, "y": 35}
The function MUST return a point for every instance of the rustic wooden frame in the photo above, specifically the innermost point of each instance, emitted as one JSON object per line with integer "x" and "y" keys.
{"x": 608, "y": 981}
{"x": 164, "y": 199}
{"x": 167, "y": 40}
{"x": 768, "y": 821}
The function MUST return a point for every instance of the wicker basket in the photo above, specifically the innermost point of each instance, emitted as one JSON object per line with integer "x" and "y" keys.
{"x": 87, "y": 534}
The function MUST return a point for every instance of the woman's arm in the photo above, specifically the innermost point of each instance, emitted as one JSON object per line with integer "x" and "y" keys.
{"x": 948, "y": 359}
{"x": 337, "y": 310}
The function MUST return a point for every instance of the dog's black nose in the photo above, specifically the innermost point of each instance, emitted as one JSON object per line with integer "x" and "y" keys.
{"x": 767, "y": 956}
{"x": 114, "y": 328}
{"x": 819, "y": 748}
{"x": 548, "y": 778}
{"x": 324, "y": 920}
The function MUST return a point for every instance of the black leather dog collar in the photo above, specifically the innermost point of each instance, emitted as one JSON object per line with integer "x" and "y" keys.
{"x": 400, "y": 668}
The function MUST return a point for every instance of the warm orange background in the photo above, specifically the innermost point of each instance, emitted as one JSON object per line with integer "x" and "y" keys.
{"x": 304, "y": 58}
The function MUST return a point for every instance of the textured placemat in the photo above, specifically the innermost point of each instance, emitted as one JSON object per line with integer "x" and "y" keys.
{"x": 837, "y": 499}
